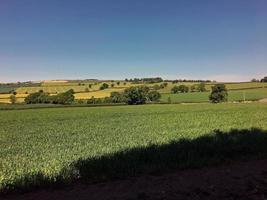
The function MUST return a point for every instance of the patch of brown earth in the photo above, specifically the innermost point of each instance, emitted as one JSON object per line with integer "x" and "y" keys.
{"x": 240, "y": 180}
{"x": 263, "y": 100}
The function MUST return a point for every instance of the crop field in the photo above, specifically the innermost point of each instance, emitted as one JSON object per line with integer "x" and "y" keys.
{"x": 234, "y": 95}
{"x": 43, "y": 146}
{"x": 82, "y": 90}
{"x": 97, "y": 94}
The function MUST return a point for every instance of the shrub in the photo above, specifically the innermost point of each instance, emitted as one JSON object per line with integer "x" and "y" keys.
{"x": 201, "y": 87}
{"x": 180, "y": 88}
{"x": 116, "y": 97}
{"x": 136, "y": 95}
{"x": 153, "y": 96}
{"x": 13, "y": 99}
{"x": 104, "y": 86}
{"x": 175, "y": 89}
{"x": 218, "y": 93}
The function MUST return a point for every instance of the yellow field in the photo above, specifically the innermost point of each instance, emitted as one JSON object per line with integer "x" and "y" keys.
{"x": 97, "y": 94}
{"x": 7, "y": 100}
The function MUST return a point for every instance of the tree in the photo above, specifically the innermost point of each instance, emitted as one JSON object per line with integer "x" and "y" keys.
{"x": 104, "y": 86}
{"x": 193, "y": 88}
{"x": 264, "y": 79}
{"x": 136, "y": 95}
{"x": 218, "y": 93}
{"x": 118, "y": 83}
{"x": 183, "y": 88}
{"x": 201, "y": 87}
{"x": 13, "y": 99}
{"x": 116, "y": 97}
{"x": 175, "y": 89}
{"x": 112, "y": 85}
{"x": 255, "y": 80}
{"x": 90, "y": 85}
{"x": 91, "y": 101}
{"x": 65, "y": 97}
{"x": 153, "y": 96}
{"x": 180, "y": 88}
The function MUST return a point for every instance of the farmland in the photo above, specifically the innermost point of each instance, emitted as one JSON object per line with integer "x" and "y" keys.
{"x": 88, "y": 89}
{"x": 234, "y": 95}
{"x": 40, "y": 146}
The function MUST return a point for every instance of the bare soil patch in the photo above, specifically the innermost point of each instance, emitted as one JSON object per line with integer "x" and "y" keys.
{"x": 263, "y": 100}
{"x": 239, "y": 180}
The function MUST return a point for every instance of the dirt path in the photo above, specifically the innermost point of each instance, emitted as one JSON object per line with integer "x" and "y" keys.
{"x": 263, "y": 100}
{"x": 242, "y": 180}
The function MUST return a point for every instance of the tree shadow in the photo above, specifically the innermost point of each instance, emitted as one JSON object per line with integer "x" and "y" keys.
{"x": 208, "y": 150}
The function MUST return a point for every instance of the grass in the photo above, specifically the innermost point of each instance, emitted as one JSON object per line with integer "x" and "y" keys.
{"x": 234, "y": 95}
{"x": 43, "y": 146}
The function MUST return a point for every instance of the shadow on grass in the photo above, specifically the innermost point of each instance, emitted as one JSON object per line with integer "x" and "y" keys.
{"x": 207, "y": 150}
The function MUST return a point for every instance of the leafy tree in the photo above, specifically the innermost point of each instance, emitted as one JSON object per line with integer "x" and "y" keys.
{"x": 175, "y": 89}
{"x": 183, "y": 88}
{"x": 104, "y": 86}
{"x": 124, "y": 83}
{"x": 180, "y": 88}
{"x": 136, "y": 95}
{"x": 13, "y": 99}
{"x": 264, "y": 79}
{"x": 116, "y": 97}
{"x": 90, "y": 85}
{"x": 118, "y": 83}
{"x": 153, "y": 96}
{"x": 32, "y": 98}
{"x": 218, "y": 93}
{"x": 112, "y": 85}
{"x": 201, "y": 87}
{"x": 65, "y": 97}
{"x": 193, "y": 88}
{"x": 91, "y": 101}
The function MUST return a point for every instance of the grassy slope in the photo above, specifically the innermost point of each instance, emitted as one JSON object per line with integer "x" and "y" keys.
{"x": 235, "y": 95}
{"x": 45, "y": 141}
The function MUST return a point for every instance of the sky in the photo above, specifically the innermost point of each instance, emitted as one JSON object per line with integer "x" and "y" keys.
{"x": 116, "y": 39}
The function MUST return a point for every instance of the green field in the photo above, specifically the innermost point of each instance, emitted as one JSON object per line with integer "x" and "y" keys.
{"x": 43, "y": 146}
{"x": 234, "y": 95}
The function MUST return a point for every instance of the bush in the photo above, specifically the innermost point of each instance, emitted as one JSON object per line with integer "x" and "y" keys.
{"x": 136, "y": 95}
{"x": 41, "y": 97}
{"x": 13, "y": 99}
{"x": 180, "y": 88}
{"x": 104, "y": 86}
{"x": 175, "y": 89}
{"x": 218, "y": 93}
{"x": 201, "y": 87}
{"x": 117, "y": 97}
{"x": 153, "y": 96}
{"x": 264, "y": 79}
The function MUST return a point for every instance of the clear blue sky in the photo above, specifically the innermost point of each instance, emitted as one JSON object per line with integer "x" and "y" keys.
{"x": 64, "y": 39}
